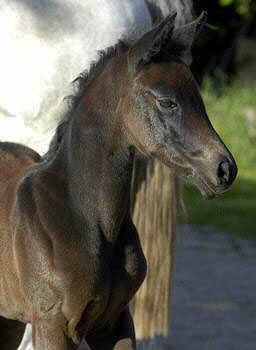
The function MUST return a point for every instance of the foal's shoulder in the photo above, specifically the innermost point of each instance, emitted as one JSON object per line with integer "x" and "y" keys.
{"x": 41, "y": 196}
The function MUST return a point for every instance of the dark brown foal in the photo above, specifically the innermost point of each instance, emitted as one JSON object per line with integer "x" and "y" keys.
{"x": 70, "y": 255}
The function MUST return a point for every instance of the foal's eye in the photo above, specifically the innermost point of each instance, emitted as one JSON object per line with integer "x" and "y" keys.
{"x": 167, "y": 103}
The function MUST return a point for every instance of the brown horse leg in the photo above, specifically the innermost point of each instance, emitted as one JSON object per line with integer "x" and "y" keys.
{"x": 49, "y": 334}
{"x": 121, "y": 338}
{"x": 11, "y": 333}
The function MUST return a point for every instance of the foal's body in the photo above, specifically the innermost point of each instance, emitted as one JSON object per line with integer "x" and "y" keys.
{"x": 79, "y": 278}
{"x": 66, "y": 230}
{"x": 89, "y": 265}
{"x": 74, "y": 250}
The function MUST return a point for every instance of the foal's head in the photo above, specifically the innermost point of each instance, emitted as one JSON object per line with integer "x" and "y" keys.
{"x": 165, "y": 115}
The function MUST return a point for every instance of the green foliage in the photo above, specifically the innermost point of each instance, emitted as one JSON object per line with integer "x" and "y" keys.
{"x": 243, "y": 7}
{"x": 215, "y": 47}
{"x": 233, "y": 115}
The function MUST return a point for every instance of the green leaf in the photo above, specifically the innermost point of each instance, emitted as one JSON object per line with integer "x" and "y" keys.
{"x": 226, "y": 2}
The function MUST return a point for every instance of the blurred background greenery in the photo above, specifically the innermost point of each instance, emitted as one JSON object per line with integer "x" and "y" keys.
{"x": 225, "y": 67}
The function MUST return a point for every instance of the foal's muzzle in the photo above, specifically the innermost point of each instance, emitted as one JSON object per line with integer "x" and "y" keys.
{"x": 213, "y": 177}
{"x": 226, "y": 172}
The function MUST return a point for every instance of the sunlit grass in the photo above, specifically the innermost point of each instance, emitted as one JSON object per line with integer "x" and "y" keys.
{"x": 233, "y": 114}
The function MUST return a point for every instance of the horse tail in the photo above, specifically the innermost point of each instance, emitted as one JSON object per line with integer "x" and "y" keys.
{"x": 155, "y": 196}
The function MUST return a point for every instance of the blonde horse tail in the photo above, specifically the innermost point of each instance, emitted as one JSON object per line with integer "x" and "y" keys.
{"x": 155, "y": 195}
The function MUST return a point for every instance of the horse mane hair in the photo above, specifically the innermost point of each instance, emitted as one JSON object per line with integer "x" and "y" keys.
{"x": 80, "y": 84}
{"x": 157, "y": 53}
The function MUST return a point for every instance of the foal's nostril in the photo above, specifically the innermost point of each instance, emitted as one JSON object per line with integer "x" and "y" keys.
{"x": 224, "y": 172}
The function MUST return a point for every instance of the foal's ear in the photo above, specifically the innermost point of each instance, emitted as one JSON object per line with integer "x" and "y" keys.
{"x": 182, "y": 38}
{"x": 150, "y": 44}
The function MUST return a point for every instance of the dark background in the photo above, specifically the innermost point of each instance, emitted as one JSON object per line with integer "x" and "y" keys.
{"x": 217, "y": 47}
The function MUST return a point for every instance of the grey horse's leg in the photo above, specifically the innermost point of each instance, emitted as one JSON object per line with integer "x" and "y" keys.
{"x": 26, "y": 343}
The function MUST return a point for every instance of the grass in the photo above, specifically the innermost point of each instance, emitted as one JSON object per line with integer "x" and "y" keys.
{"x": 233, "y": 115}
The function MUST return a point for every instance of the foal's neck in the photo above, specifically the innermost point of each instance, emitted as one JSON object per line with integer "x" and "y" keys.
{"x": 100, "y": 174}
{"x": 98, "y": 163}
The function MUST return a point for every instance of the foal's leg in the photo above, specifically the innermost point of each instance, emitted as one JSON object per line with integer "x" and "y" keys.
{"x": 50, "y": 335}
{"x": 11, "y": 333}
{"x": 121, "y": 338}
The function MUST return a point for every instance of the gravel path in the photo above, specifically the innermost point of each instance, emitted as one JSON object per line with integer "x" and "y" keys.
{"x": 213, "y": 301}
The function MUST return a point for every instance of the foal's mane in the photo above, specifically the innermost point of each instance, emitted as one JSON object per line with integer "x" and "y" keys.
{"x": 80, "y": 84}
